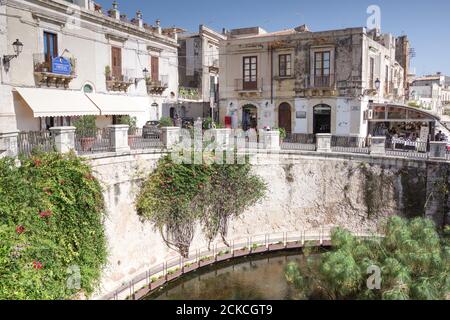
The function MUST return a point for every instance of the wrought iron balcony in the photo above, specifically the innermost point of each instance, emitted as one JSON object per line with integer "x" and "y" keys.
{"x": 243, "y": 85}
{"x": 120, "y": 82}
{"x": 157, "y": 86}
{"x": 189, "y": 93}
{"x": 318, "y": 86}
{"x": 54, "y": 72}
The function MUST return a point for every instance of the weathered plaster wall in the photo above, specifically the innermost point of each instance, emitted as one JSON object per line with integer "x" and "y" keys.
{"x": 306, "y": 191}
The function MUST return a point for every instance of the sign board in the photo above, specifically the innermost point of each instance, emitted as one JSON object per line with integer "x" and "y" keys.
{"x": 300, "y": 115}
{"x": 62, "y": 66}
{"x": 424, "y": 132}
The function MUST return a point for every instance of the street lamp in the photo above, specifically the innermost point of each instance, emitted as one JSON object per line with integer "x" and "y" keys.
{"x": 377, "y": 84}
{"x": 18, "y": 47}
{"x": 144, "y": 73}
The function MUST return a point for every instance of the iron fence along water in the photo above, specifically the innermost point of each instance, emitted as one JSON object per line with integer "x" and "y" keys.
{"x": 35, "y": 141}
{"x": 89, "y": 141}
{"x": 171, "y": 269}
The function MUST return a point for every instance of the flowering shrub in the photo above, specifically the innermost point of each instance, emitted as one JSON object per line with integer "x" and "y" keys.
{"x": 51, "y": 219}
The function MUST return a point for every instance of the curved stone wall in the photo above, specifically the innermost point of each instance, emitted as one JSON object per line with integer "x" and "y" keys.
{"x": 306, "y": 191}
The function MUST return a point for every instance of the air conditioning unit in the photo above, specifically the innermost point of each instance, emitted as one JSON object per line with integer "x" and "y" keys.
{"x": 368, "y": 115}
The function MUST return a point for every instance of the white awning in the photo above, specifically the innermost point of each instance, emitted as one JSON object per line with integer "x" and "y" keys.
{"x": 57, "y": 103}
{"x": 117, "y": 104}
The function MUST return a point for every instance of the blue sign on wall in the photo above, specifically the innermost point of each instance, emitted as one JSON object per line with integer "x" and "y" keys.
{"x": 61, "y": 65}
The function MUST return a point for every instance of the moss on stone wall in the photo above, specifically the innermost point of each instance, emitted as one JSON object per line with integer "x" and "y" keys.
{"x": 413, "y": 193}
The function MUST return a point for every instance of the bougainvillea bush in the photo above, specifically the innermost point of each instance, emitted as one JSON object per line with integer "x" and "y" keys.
{"x": 52, "y": 239}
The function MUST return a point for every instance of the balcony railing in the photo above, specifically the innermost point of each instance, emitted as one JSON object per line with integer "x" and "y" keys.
{"x": 322, "y": 81}
{"x": 43, "y": 70}
{"x": 120, "y": 82}
{"x": 189, "y": 93}
{"x": 255, "y": 86}
{"x": 157, "y": 86}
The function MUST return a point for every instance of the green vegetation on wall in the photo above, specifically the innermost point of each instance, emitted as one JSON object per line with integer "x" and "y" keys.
{"x": 412, "y": 259}
{"x": 52, "y": 240}
{"x": 175, "y": 197}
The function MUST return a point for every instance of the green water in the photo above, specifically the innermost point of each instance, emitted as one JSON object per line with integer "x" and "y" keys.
{"x": 256, "y": 278}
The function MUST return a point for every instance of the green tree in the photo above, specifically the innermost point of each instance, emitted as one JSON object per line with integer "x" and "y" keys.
{"x": 176, "y": 197}
{"x": 413, "y": 259}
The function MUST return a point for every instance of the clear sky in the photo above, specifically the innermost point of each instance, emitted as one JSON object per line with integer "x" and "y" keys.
{"x": 425, "y": 22}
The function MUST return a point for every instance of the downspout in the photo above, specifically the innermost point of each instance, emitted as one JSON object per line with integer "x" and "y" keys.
{"x": 271, "y": 74}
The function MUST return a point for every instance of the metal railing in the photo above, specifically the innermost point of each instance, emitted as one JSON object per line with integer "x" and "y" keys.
{"x": 146, "y": 138}
{"x": 299, "y": 141}
{"x": 407, "y": 148}
{"x": 90, "y": 141}
{"x": 35, "y": 141}
{"x": 171, "y": 269}
{"x": 349, "y": 144}
{"x": 41, "y": 64}
{"x": 243, "y": 85}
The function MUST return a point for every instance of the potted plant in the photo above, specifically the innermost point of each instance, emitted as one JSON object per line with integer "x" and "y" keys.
{"x": 165, "y": 122}
{"x": 86, "y": 131}
{"x": 108, "y": 73}
{"x": 131, "y": 122}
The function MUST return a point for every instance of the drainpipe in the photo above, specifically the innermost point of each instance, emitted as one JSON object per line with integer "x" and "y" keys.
{"x": 271, "y": 74}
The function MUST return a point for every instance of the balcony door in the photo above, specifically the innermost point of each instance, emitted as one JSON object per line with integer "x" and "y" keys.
{"x": 50, "y": 48}
{"x": 154, "y": 67}
{"x": 116, "y": 57}
{"x": 322, "y": 69}
{"x": 285, "y": 117}
{"x": 250, "y": 72}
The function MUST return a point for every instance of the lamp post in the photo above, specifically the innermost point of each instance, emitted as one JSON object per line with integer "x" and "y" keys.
{"x": 377, "y": 86}
{"x": 144, "y": 73}
{"x": 18, "y": 47}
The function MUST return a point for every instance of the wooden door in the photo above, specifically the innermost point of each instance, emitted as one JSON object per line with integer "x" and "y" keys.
{"x": 250, "y": 72}
{"x": 284, "y": 117}
{"x": 155, "y": 68}
{"x": 116, "y": 54}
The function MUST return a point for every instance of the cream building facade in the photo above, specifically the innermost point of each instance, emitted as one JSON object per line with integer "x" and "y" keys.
{"x": 307, "y": 82}
{"x": 198, "y": 60}
{"x": 79, "y": 59}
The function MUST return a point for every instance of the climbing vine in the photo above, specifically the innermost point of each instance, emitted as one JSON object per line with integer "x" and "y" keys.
{"x": 52, "y": 240}
{"x": 176, "y": 197}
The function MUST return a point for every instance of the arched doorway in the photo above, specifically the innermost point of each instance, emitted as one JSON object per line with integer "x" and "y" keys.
{"x": 322, "y": 119}
{"x": 284, "y": 117}
{"x": 249, "y": 117}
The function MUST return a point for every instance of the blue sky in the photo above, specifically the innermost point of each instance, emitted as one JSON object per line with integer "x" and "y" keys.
{"x": 425, "y": 22}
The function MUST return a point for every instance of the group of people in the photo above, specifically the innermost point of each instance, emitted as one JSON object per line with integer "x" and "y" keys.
{"x": 440, "y": 136}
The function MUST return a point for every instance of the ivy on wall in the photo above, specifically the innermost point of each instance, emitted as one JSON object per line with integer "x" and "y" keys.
{"x": 52, "y": 239}
{"x": 175, "y": 197}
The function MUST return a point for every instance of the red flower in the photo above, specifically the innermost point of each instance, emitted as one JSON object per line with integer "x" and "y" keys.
{"x": 45, "y": 214}
{"x": 20, "y": 229}
{"x": 47, "y": 191}
{"x": 38, "y": 265}
{"x": 37, "y": 162}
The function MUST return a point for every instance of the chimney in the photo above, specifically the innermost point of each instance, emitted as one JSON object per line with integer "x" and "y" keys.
{"x": 114, "y": 12}
{"x": 158, "y": 26}
{"x": 139, "y": 19}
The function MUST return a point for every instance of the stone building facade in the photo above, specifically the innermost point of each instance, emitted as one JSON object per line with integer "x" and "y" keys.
{"x": 198, "y": 67}
{"x": 80, "y": 59}
{"x": 431, "y": 92}
{"x": 307, "y": 82}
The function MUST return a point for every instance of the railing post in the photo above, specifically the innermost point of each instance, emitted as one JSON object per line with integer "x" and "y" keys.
{"x": 270, "y": 139}
{"x": 438, "y": 150}
{"x": 119, "y": 138}
{"x": 64, "y": 138}
{"x": 170, "y": 136}
{"x": 9, "y": 144}
{"x": 377, "y": 145}
{"x": 323, "y": 142}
